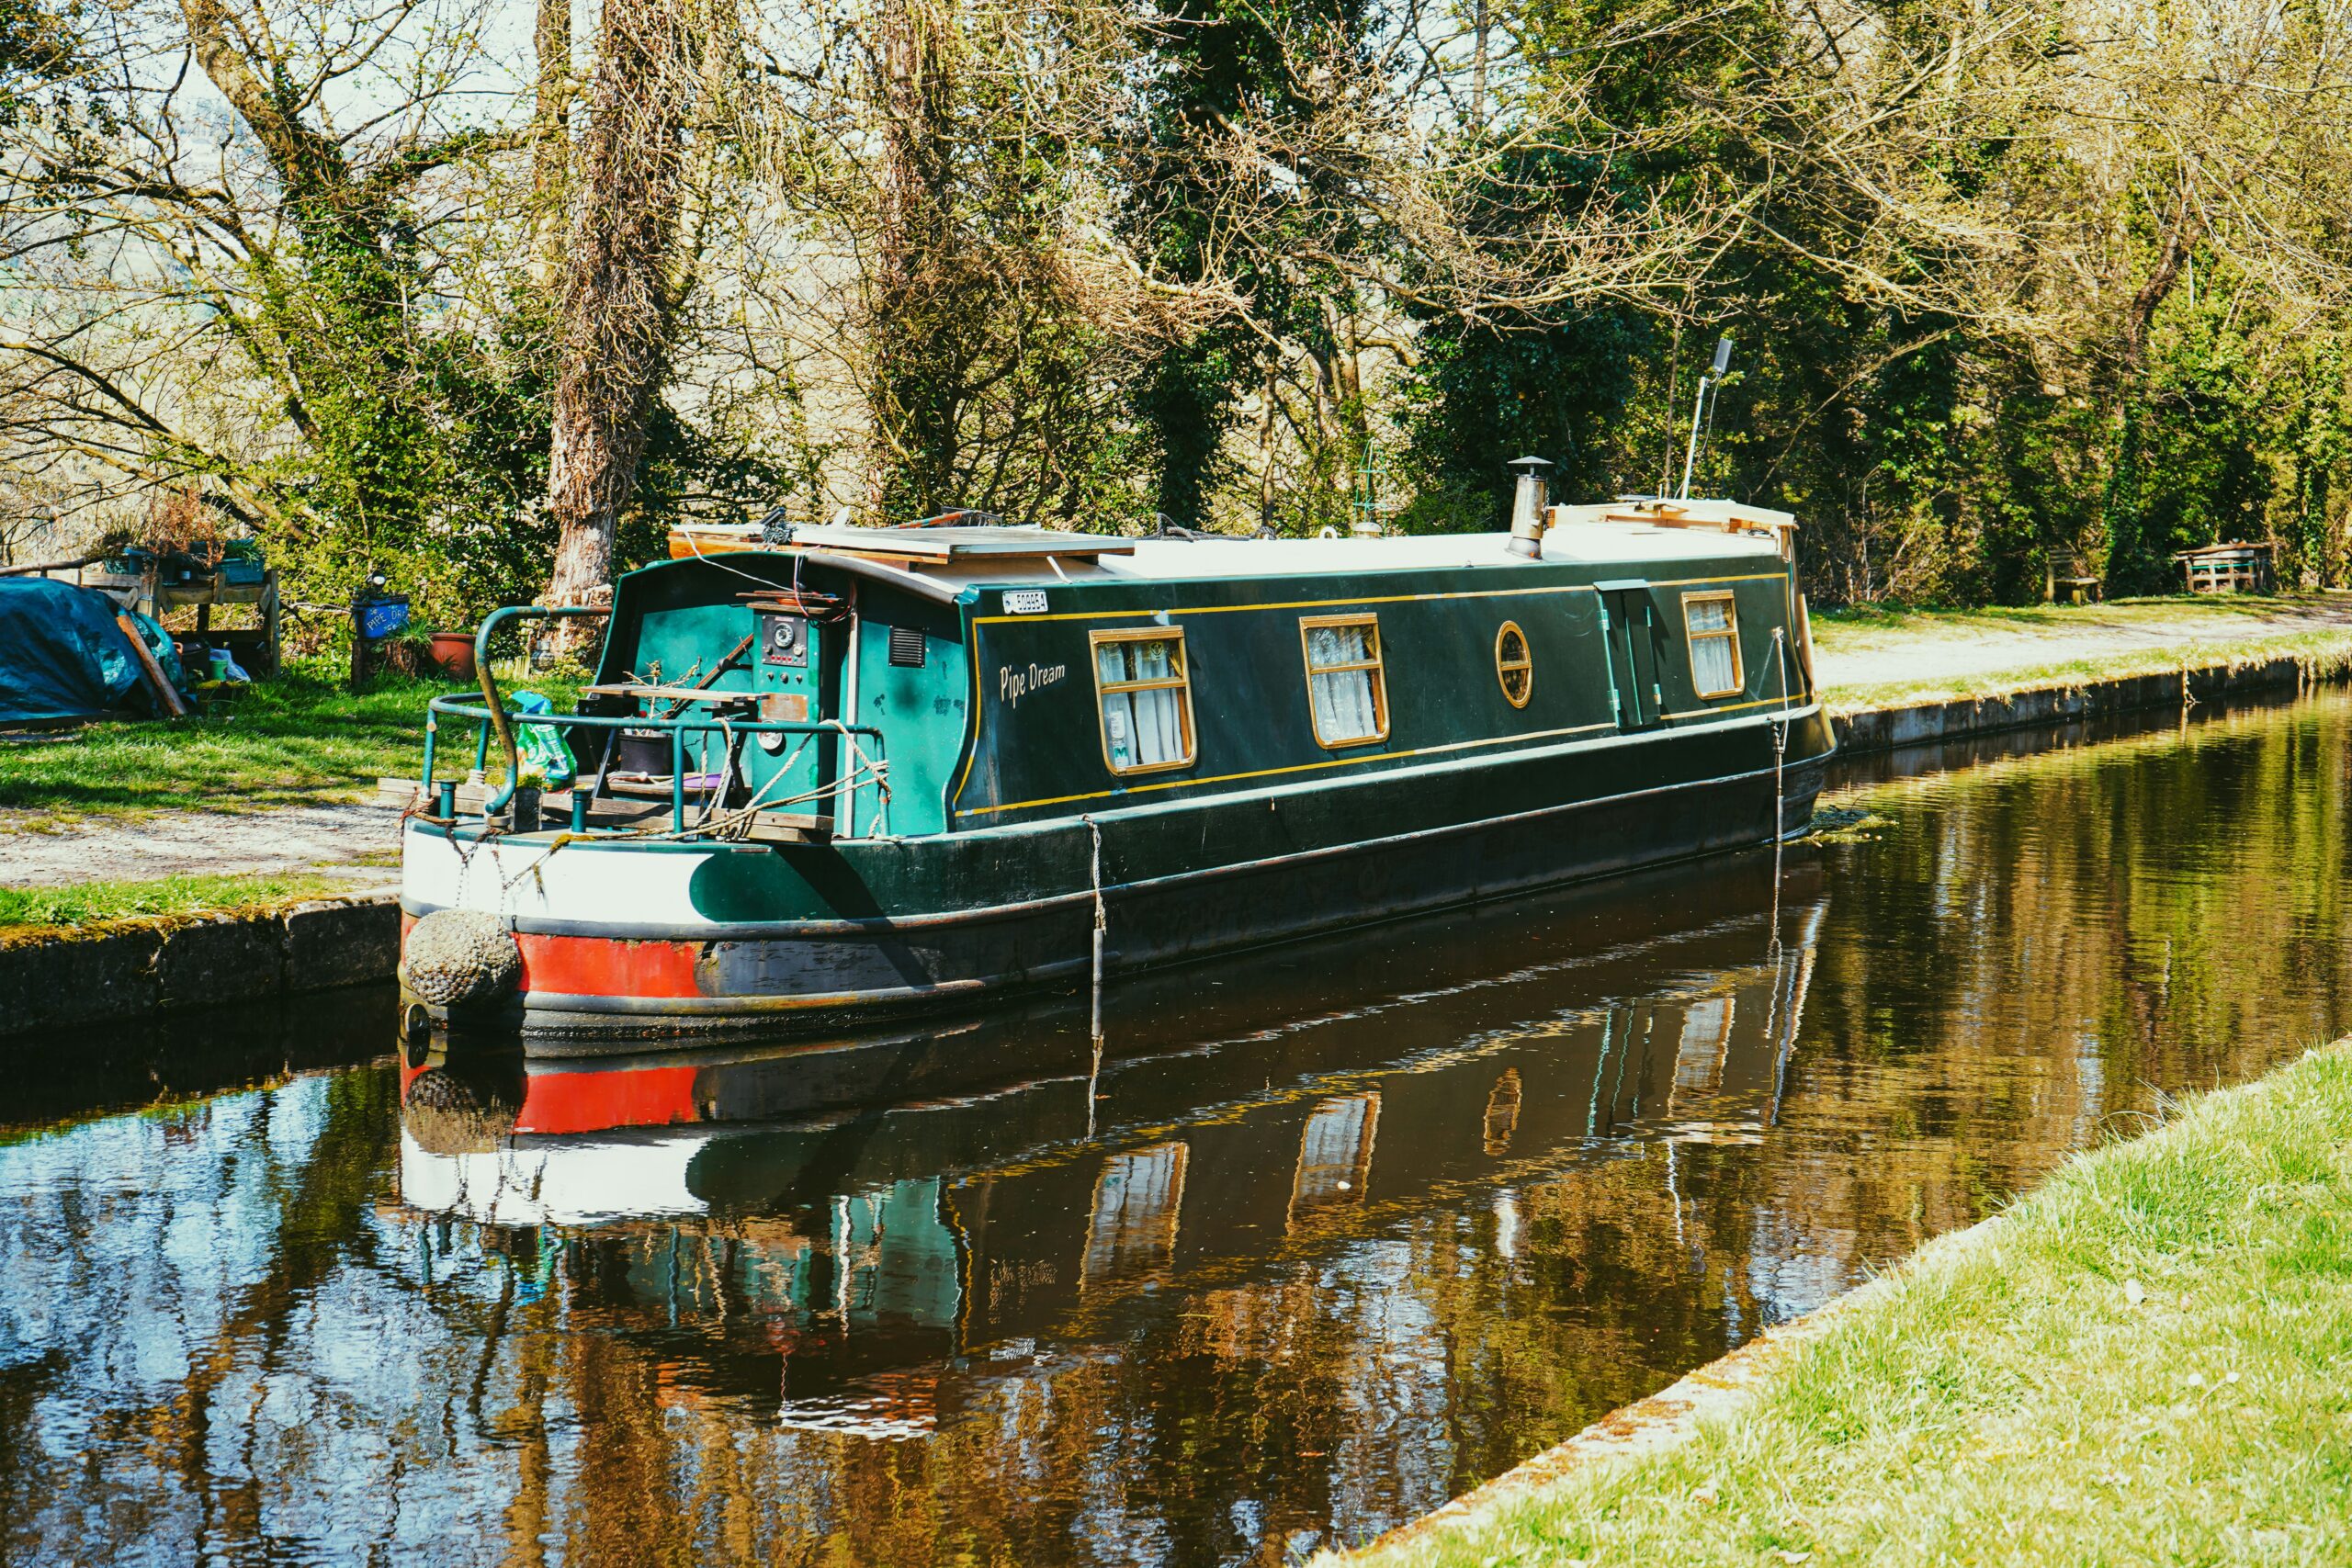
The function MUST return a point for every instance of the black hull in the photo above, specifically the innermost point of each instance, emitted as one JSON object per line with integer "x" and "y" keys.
{"x": 787, "y": 978}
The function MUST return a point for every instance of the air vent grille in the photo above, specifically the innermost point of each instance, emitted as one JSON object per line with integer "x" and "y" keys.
{"x": 906, "y": 648}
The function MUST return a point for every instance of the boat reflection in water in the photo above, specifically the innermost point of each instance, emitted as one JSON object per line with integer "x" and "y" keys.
{"x": 878, "y": 1232}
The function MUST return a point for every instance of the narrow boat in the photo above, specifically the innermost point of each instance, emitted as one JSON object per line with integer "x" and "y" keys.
{"x": 828, "y": 773}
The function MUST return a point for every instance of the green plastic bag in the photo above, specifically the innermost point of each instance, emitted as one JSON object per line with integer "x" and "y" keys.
{"x": 541, "y": 746}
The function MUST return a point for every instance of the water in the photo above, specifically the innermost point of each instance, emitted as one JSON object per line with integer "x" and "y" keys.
{"x": 1344, "y": 1231}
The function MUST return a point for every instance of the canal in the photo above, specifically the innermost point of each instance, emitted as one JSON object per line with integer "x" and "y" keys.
{"x": 1330, "y": 1237}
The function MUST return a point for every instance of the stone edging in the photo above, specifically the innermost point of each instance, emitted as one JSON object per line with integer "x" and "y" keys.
{"x": 1667, "y": 1418}
{"x": 1892, "y": 729}
{"x": 130, "y": 971}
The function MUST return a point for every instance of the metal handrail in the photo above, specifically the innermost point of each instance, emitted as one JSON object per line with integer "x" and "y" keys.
{"x": 486, "y": 716}
{"x": 498, "y": 715}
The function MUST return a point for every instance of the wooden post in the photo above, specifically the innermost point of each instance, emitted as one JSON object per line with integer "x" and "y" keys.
{"x": 163, "y": 693}
{"x": 270, "y": 631}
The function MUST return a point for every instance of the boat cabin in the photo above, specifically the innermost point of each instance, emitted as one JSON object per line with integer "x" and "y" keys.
{"x": 914, "y": 680}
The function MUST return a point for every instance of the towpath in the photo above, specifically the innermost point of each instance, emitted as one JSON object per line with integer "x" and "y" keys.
{"x": 1866, "y": 657}
{"x": 337, "y": 840}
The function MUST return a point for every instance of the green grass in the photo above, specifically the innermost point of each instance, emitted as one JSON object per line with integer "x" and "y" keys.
{"x": 31, "y": 911}
{"x": 2148, "y": 1360}
{"x": 1861, "y": 626}
{"x": 299, "y": 738}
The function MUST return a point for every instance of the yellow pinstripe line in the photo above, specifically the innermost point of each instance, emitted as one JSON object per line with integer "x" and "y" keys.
{"x": 1729, "y": 707}
{"x": 974, "y": 754}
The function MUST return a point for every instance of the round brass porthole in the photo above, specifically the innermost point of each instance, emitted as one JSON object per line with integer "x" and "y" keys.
{"x": 1513, "y": 668}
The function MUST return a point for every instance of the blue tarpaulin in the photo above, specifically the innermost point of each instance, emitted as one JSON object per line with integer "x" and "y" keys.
{"x": 62, "y": 655}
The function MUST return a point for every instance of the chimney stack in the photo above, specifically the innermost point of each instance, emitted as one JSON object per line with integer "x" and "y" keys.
{"x": 1527, "y": 508}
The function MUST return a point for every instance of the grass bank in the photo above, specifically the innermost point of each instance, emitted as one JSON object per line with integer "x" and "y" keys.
{"x": 2147, "y": 1360}
{"x": 300, "y": 738}
{"x": 1873, "y": 657}
{"x": 29, "y": 912}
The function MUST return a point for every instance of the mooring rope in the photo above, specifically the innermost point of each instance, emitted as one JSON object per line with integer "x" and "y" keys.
{"x": 1101, "y": 924}
{"x": 1780, "y": 790}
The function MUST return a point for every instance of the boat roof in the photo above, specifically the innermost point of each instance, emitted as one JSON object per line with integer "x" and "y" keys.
{"x": 961, "y": 543}
{"x": 1000, "y": 556}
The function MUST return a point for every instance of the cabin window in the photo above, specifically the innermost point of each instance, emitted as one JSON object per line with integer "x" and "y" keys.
{"x": 1335, "y": 1155}
{"x": 1713, "y": 628}
{"x": 1144, "y": 688}
{"x": 1346, "y": 690}
{"x": 1513, "y": 668}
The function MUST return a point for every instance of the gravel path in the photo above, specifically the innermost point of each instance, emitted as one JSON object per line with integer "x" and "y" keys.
{"x": 1867, "y": 656}
{"x": 209, "y": 843}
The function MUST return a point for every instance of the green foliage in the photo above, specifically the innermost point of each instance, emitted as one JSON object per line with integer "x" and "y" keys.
{"x": 1182, "y": 400}
{"x": 1211, "y": 62}
{"x": 37, "y": 46}
{"x": 1482, "y": 396}
{"x": 1555, "y": 384}
{"x": 428, "y": 454}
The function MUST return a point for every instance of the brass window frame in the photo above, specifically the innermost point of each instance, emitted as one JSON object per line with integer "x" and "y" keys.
{"x": 1691, "y": 638}
{"x": 1181, "y": 682}
{"x": 1377, "y": 664}
{"x": 1526, "y": 665}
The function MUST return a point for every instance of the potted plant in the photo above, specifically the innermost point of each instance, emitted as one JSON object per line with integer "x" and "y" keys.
{"x": 453, "y": 654}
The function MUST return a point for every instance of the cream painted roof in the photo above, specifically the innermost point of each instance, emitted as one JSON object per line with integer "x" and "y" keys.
{"x": 1579, "y": 534}
{"x": 1601, "y": 535}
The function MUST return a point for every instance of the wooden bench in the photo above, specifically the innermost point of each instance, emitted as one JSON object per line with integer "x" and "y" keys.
{"x": 2226, "y": 568}
{"x": 2079, "y": 589}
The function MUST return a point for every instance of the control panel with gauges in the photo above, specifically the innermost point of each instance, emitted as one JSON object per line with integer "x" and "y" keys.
{"x": 790, "y": 667}
{"x": 784, "y": 639}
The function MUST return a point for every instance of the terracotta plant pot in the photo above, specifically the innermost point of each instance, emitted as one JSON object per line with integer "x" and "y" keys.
{"x": 453, "y": 654}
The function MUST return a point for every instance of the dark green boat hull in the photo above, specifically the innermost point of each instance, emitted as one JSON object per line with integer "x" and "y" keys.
{"x": 813, "y": 937}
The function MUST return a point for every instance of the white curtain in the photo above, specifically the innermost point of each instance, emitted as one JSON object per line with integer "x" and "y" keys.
{"x": 1344, "y": 707}
{"x": 1141, "y": 729}
{"x": 1712, "y": 665}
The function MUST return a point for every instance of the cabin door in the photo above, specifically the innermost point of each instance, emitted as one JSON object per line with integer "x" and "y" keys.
{"x": 1629, "y": 639}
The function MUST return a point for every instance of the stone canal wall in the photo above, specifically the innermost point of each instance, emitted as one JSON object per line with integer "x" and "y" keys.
{"x": 132, "y": 969}
{"x": 1892, "y": 727}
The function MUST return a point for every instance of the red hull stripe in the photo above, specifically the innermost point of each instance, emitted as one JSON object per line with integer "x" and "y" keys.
{"x": 593, "y": 1102}
{"x": 606, "y": 966}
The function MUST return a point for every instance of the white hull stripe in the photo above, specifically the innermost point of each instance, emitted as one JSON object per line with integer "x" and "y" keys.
{"x": 521, "y": 879}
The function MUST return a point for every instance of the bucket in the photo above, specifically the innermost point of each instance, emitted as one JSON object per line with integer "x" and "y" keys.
{"x": 221, "y": 661}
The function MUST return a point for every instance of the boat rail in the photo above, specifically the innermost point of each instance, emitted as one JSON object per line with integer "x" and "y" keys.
{"x": 869, "y": 761}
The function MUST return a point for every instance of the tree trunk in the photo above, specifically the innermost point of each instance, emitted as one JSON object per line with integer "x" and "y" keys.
{"x": 613, "y": 332}
{"x": 2178, "y": 242}
{"x": 913, "y": 442}
{"x": 550, "y": 139}
{"x": 2128, "y": 567}
{"x": 1480, "y": 24}
{"x": 1266, "y": 452}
